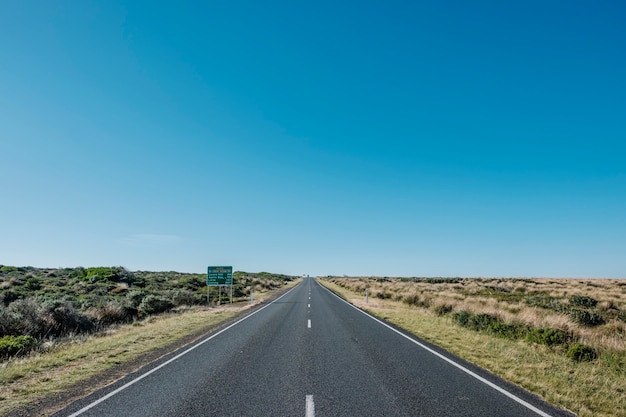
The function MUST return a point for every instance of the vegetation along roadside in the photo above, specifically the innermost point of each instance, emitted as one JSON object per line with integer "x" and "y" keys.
{"x": 62, "y": 327}
{"x": 563, "y": 339}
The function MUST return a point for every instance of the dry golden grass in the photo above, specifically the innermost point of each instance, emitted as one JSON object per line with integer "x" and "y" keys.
{"x": 505, "y": 298}
{"x": 595, "y": 388}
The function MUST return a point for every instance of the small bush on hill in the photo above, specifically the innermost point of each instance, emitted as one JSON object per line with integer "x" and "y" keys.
{"x": 113, "y": 313}
{"x": 115, "y": 274}
{"x": 135, "y": 297}
{"x": 16, "y": 345}
{"x": 153, "y": 304}
{"x": 182, "y": 297}
{"x": 63, "y": 318}
{"x": 23, "y": 318}
{"x": 548, "y": 337}
{"x": 443, "y": 309}
{"x": 586, "y": 317}
{"x": 463, "y": 318}
{"x": 581, "y": 353}
{"x": 33, "y": 284}
{"x": 7, "y": 297}
{"x": 583, "y": 301}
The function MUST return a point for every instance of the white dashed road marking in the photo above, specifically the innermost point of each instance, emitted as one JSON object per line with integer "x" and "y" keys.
{"x": 310, "y": 406}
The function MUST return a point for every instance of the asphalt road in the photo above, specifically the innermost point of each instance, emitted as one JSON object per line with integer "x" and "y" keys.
{"x": 311, "y": 354}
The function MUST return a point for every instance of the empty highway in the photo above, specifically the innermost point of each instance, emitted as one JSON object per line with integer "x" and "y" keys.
{"x": 309, "y": 353}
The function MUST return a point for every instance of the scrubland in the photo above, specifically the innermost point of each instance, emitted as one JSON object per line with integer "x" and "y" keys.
{"x": 60, "y": 327}
{"x": 564, "y": 339}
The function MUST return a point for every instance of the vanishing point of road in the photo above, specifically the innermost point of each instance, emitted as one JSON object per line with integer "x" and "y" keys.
{"x": 309, "y": 353}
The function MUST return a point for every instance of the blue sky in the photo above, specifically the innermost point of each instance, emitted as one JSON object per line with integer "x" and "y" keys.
{"x": 361, "y": 138}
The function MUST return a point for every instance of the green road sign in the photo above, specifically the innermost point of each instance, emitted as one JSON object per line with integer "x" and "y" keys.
{"x": 219, "y": 276}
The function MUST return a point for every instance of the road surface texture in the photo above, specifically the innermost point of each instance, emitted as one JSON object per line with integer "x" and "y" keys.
{"x": 308, "y": 354}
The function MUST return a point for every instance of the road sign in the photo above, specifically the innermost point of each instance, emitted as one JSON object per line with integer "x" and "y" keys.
{"x": 219, "y": 276}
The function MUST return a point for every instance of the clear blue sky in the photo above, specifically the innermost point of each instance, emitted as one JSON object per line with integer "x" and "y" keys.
{"x": 446, "y": 138}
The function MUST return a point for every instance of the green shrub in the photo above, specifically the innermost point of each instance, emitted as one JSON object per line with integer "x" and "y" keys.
{"x": 506, "y": 330}
{"x": 153, "y": 304}
{"x": 487, "y": 323}
{"x": 548, "y": 337}
{"x": 112, "y": 313}
{"x": 24, "y": 318}
{"x": 114, "y": 274}
{"x": 33, "y": 284}
{"x": 544, "y": 301}
{"x": 586, "y": 317}
{"x": 63, "y": 318}
{"x": 16, "y": 345}
{"x": 182, "y": 297}
{"x": 135, "y": 297}
{"x": 583, "y": 301}
{"x": 7, "y": 297}
{"x": 482, "y": 321}
{"x": 581, "y": 353}
{"x": 463, "y": 318}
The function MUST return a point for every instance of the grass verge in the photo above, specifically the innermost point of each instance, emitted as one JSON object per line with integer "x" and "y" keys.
{"x": 585, "y": 388}
{"x": 29, "y": 380}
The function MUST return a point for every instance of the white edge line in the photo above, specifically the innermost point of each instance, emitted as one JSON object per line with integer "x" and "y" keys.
{"x": 151, "y": 371}
{"x": 450, "y": 361}
{"x": 310, "y": 406}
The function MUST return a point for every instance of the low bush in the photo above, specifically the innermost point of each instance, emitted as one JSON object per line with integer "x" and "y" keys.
{"x": 383, "y": 295}
{"x": 506, "y": 330}
{"x": 411, "y": 299}
{"x": 33, "y": 284}
{"x": 7, "y": 297}
{"x": 443, "y": 309}
{"x": 153, "y": 304}
{"x": 135, "y": 297}
{"x": 463, "y": 318}
{"x": 583, "y": 301}
{"x": 548, "y": 337}
{"x": 586, "y": 317}
{"x": 63, "y": 318}
{"x": 490, "y": 324}
{"x": 113, "y": 313}
{"x": 113, "y": 274}
{"x": 16, "y": 345}
{"x": 581, "y": 353}
{"x": 182, "y": 297}
{"x": 23, "y": 317}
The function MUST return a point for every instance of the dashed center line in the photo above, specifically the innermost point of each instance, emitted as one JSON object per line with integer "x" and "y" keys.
{"x": 309, "y": 324}
{"x": 310, "y": 406}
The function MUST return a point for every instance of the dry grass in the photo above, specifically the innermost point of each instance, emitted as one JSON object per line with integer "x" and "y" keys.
{"x": 595, "y": 388}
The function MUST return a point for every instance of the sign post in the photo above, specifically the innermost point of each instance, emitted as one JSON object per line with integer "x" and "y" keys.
{"x": 219, "y": 276}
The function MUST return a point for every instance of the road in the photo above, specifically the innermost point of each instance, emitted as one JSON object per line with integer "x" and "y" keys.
{"x": 308, "y": 354}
